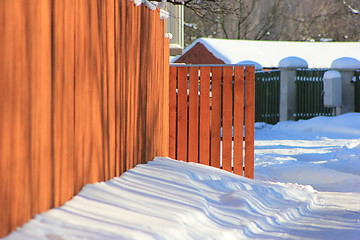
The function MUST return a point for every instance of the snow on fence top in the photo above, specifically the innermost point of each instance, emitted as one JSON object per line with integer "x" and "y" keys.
{"x": 269, "y": 53}
{"x": 346, "y": 63}
{"x": 154, "y": 5}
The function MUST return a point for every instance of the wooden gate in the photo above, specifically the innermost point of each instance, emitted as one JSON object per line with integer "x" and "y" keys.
{"x": 212, "y": 116}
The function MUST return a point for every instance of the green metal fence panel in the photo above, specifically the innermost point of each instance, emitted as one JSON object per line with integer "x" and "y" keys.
{"x": 309, "y": 91}
{"x": 357, "y": 91}
{"x": 267, "y": 98}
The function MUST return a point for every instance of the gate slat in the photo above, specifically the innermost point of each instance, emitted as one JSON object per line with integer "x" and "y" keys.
{"x": 204, "y": 138}
{"x": 194, "y": 115}
{"x": 172, "y": 112}
{"x": 227, "y": 119}
{"x": 238, "y": 119}
{"x": 249, "y": 122}
{"x": 215, "y": 116}
{"x": 182, "y": 114}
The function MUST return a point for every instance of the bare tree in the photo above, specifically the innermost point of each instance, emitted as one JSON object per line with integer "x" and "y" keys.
{"x": 335, "y": 20}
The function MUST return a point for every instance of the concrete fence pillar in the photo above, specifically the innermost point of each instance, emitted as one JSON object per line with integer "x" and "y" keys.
{"x": 347, "y": 66}
{"x": 288, "y": 67}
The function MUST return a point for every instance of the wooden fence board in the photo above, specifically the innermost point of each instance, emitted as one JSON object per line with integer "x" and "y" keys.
{"x": 120, "y": 85}
{"x": 194, "y": 115}
{"x": 172, "y": 111}
{"x": 238, "y": 119}
{"x": 41, "y": 106}
{"x": 204, "y": 122}
{"x": 249, "y": 122}
{"x": 63, "y": 94}
{"x": 182, "y": 115}
{"x": 109, "y": 53}
{"x": 216, "y": 116}
{"x": 227, "y": 119}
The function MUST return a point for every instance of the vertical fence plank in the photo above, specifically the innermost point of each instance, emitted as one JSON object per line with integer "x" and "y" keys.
{"x": 15, "y": 117}
{"x": 227, "y": 119}
{"x": 182, "y": 114}
{"x": 88, "y": 101}
{"x": 147, "y": 80}
{"x": 106, "y": 22}
{"x": 121, "y": 21}
{"x": 41, "y": 106}
{"x": 63, "y": 102}
{"x": 110, "y": 51}
{"x": 204, "y": 135}
{"x": 238, "y": 119}
{"x": 194, "y": 115}
{"x": 129, "y": 85}
{"x": 163, "y": 136}
{"x": 173, "y": 109}
{"x": 215, "y": 116}
{"x": 249, "y": 121}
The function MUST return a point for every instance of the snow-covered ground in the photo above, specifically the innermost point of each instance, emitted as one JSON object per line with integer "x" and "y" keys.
{"x": 307, "y": 186}
{"x": 323, "y": 152}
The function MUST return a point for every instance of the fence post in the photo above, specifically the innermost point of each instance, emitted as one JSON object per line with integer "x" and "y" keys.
{"x": 288, "y": 68}
{"x": 347, "y": 66}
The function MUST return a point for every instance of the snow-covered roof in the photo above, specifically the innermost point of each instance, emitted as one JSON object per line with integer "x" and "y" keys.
{"x": 269, "y": 53}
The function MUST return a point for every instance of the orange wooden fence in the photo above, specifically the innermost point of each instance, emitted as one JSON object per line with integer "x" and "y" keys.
{"x": 212, "y": 116}
{"x": 83, "y": 98}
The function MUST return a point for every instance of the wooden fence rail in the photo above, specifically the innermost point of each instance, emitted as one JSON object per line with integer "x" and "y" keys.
{"x": 212, "y": 116}
{"x": 83, "y": 98}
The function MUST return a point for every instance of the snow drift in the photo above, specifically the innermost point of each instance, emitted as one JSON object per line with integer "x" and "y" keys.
{"x": 168, "y": 199}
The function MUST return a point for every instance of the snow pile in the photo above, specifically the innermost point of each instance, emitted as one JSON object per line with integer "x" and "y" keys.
{"x": 345, "y": 63}
{"x": 168, "y": 199}
{"x": 343, "y": 125}
{"x": 323, "y": 152}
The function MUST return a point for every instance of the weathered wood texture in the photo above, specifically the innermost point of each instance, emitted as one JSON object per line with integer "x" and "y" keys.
{"x": 212, "y": 116}
{"x": 83, "y": 97}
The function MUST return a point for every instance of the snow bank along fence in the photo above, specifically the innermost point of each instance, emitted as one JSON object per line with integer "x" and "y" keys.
{"x": 212, "y": 116}
{"x": 83, "y": 98}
